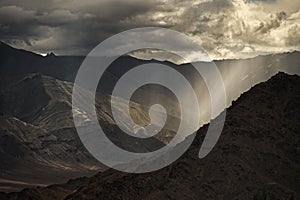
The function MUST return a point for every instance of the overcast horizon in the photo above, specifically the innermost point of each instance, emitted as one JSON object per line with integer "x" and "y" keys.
{"x": 225, "y": 29}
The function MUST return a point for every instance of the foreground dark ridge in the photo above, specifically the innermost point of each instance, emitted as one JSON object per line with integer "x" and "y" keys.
{"x": 257, "y": 157}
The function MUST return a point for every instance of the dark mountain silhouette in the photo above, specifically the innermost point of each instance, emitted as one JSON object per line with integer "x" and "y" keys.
{"x": 257, "y": 157}
{"x": 238, "y": 75}
{"x": 18, "y": 62}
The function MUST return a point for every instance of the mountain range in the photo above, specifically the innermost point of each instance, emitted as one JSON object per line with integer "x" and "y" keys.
{"x": 257, "y": 156}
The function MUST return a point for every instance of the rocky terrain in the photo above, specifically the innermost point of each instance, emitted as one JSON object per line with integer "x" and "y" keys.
{"x": 257, "y": 157}
{"x": 38, "y": 133}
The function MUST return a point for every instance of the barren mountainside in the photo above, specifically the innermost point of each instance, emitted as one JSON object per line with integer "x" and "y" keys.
{"x": 38, "y": 134}
{"x": 256, "y": 157}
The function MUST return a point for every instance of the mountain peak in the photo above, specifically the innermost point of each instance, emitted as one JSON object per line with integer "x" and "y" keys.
{"x": 51, "y": 54}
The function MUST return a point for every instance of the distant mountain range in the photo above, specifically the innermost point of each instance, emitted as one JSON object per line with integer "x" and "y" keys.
{"x": 257, "y": 155}
{"x": 238, "y": 75}
{"x": 19, "y": 62}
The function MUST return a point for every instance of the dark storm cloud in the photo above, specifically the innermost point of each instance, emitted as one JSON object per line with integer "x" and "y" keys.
{"x": 67, "y": 27}
{"x": 225, "y": 28}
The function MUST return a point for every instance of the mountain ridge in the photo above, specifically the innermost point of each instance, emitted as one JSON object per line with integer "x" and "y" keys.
{"x": 49, "y": 108}
{"x": 218, "y": 60}
{"x": 256, "y": 157}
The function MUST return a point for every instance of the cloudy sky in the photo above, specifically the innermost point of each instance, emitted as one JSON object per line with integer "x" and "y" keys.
{"x": 224, "y": 28}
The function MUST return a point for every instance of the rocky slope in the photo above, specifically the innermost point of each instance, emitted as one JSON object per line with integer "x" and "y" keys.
{"x": 257, "y": 157}
{"x": 38, "y": 135}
